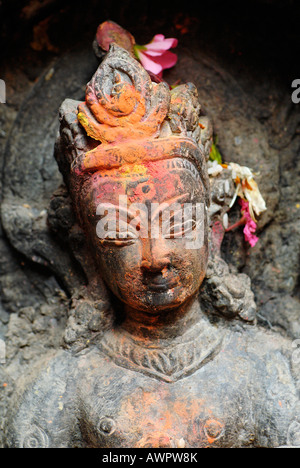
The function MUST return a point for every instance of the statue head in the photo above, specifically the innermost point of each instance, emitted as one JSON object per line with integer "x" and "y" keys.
{"x": 137, "y": 176}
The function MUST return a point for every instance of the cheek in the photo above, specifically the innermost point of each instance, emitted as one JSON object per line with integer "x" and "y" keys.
{"x": 201, "y": 261}
{"x": 120, "y": 267}
{"x": 190, "y": 262}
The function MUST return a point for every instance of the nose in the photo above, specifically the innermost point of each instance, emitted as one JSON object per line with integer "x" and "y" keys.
{"x": 155, "y": 256}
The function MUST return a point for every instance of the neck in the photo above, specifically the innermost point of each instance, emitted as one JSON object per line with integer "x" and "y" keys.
{"x": 164, "y": 325}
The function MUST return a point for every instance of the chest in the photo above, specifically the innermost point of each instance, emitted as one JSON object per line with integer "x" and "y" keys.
{"x": 127, "y": 409}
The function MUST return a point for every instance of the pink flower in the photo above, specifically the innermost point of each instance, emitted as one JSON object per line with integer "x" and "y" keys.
{"x": 247, "y": 221}
{"x": 250, "y": 225}
{"x": 155, "y": 56}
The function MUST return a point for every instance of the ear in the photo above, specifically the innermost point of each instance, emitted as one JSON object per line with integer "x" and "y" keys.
{"x": 227, "y": 294}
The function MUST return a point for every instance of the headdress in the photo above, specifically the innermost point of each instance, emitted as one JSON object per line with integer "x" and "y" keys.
{"x": 129, "y": 119}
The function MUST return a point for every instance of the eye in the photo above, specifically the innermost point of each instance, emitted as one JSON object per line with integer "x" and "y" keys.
{"x": 117, "y": 242}
{"x": 120, "y": 238}
{"x": 181, "y": 224}
{"x": 182, "y": 229}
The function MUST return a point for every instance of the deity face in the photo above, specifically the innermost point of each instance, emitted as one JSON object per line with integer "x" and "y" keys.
{"x": 148, "y": 230}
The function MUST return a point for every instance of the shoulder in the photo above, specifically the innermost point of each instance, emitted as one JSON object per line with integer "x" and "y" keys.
{"x": 259, "y": 343}
{"x": 273, "y": 385}
{"x": 41, "y": 408}
{"x": 275, "y": 353}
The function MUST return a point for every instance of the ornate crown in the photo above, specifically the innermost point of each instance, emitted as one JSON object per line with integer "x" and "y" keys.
{"x": 128, "y": 119}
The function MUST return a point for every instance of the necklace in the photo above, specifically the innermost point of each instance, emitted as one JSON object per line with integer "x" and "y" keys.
{"x": 169, "y": 363}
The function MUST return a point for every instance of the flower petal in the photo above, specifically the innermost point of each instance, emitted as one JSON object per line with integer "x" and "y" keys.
{"x": 149, "y": 64}
{"x": 109, "y": 32}
{"x": 250, "y": 226}
{"x": 162, "y": 46}
{"x": 255, "y": 198}
{"x": 248, "y": 189}
{"x": 244, "y": 205}
{"x": 167, "y": 60}
{"x": 154, "y": 53}
{"x": 213, "y": 168}
{"x": 158, "y": 38}
{"x": 249, "y": 236}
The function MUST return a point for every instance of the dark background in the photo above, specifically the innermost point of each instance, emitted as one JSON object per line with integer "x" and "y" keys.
{"x": 259, "y": 34}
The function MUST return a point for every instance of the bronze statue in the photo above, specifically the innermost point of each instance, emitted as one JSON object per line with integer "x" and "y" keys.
{"x": 153, "y": 357}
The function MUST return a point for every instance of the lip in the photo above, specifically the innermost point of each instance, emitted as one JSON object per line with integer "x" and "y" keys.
{"x": 161, "y": 284}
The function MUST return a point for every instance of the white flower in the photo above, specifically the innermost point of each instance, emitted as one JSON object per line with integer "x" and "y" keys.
{"x": 213, "y": 168}
{"x": 225, "y": 221}
{"x": 247, "y": 188}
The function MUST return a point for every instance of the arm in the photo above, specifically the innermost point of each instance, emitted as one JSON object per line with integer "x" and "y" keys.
{"x": 279, "y": 415}
{"x": 293, "y": 432}
{"x": 43, "y": 415}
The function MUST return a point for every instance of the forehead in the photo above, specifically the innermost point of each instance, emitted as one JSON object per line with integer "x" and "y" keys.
{"x": 154, "y": 181}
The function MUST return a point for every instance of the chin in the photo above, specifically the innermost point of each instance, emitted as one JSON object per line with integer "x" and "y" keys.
{"x": 155, "y": 302}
